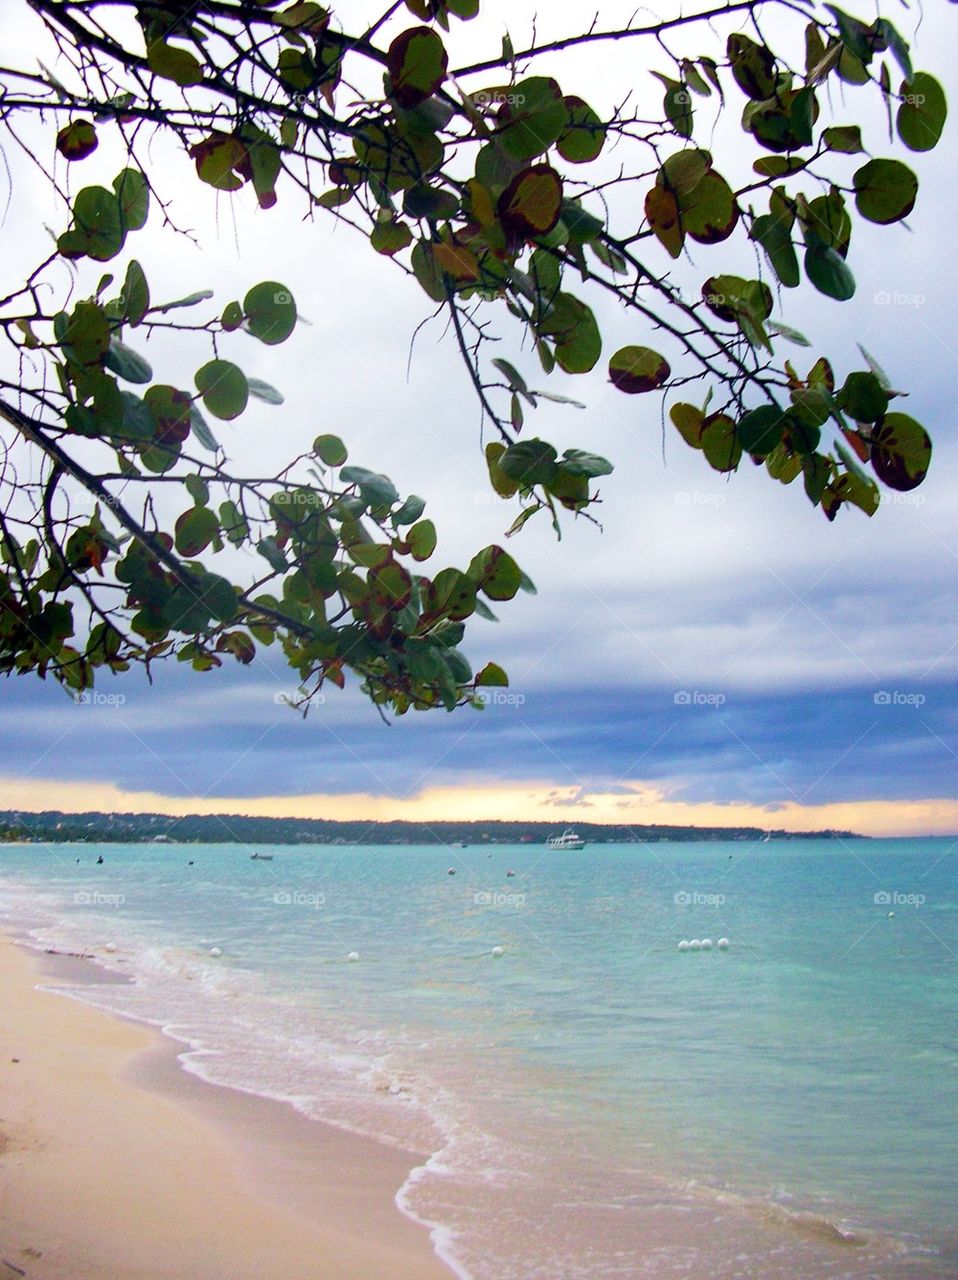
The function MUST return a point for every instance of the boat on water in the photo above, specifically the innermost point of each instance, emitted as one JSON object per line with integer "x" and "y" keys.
{"x": 458, "y": 844}
{"x": 261, "y": 857}
{"x": 568, "y": 840}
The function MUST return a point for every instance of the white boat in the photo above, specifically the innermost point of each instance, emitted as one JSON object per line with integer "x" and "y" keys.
{"x": 568, "y": 840}
{"x": 261, "y": 857}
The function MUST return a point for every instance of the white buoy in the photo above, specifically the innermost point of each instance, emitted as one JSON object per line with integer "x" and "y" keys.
{"x": 451, "y": 871}
{"x": 706, "y": 944}
{"x": 723, "y": 944}
{"x": 215, "y": 952}
{"x": 111, "y": 947}
{"x": 684, "y": 944}
{"x": 497, "y": 952}
{"x": 891, "y": 915}
{"x": 353, "y": 955}
{"x": 695, "y": 944}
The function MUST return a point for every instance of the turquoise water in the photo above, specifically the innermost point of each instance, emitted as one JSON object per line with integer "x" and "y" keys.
{"x": 597, "y": 1103}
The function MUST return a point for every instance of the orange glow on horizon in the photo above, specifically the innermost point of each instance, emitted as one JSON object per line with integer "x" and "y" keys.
{"x": 514, "y": 801}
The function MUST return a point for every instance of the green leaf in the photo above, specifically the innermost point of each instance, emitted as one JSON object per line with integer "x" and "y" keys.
{"x": 688, "y": 421}
{"x": 828, "y": 271}
{"x": 421, "y": 539}
{"x": 572, "y": 326}
{"x": 635, "y": 370}
{"x": 330, "y": 449}
{"x": 579, "y": 463}
{"x": 529, "y": 462}
{"x": 846, "y": 138}
{"x": 77, "y": 140}
{"x": 224, "y": 388}
{"x": 263, "y": 391}
{"x": 492, "y": 675}
{"x": 923, "y": 112}
{"x": 202, "y": 296}
{"x": 532, "y": 202}
{"x": 774, "y": 235}
{"x": 170, "y": 408}
{"x": 133, "y": 198}
{"x": 760, "y": 431}
{"x": 87, "y": 333}
{"x": 885, "y": 191}
{"x": 495, "y": 573}
{"x": 863, "y": 397}
{"x": 532, "y": 118}
{"x": 901, "y": 452}
{"x": 98, "y": 223}
{"x": 194, "y": 530}
{"x": 409, "y": 512}
{"x": 416, "y": 62}
{"x": 173, "y": 63}
{"x": 377, "y": 490}
{"x": 200, "y": 429}
{"x": 720, "y": 442}
{"x": 270, "y": 312}
{"x": 583, "y": 138}
{"x": 136, "y": 294}
{"x": 709, "y": 213}
{"x": 127, "y": 363}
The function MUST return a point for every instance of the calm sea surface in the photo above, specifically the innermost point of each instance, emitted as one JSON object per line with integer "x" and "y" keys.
{"x": 598, "y": 1103}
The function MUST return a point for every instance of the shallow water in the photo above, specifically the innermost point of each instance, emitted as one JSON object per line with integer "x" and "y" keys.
{"x": 598, "y": 1103}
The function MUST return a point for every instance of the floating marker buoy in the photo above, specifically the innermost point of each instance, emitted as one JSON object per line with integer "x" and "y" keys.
{"x": 353, "y": 955}
{"x": 723, "y": 944}
{"x": 215, "y": 952}
{"x": 497, "y": 952}
{"x": 891, "y": 915}
{"x": 110, "y": 946}
{"x": 451, "y": 871}
{"x": 684, "y": 944}
{"x": 706, "y": 944}
{"x": 695, "y": 944}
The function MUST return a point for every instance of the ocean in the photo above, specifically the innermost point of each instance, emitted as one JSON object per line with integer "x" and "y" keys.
{"x": 598, "y": 1103}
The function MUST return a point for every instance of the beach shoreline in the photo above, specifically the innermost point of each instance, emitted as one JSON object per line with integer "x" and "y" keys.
{"x": 117, "y": 1162}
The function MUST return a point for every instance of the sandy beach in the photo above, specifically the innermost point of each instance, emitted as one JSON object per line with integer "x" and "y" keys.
{"x": 116, "y": 1163}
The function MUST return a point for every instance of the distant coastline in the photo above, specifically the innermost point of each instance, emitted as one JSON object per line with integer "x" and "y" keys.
{"x": 52, "y": 826}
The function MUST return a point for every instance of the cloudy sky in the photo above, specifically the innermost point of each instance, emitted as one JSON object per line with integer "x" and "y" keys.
{"x": 718, "y": 653}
